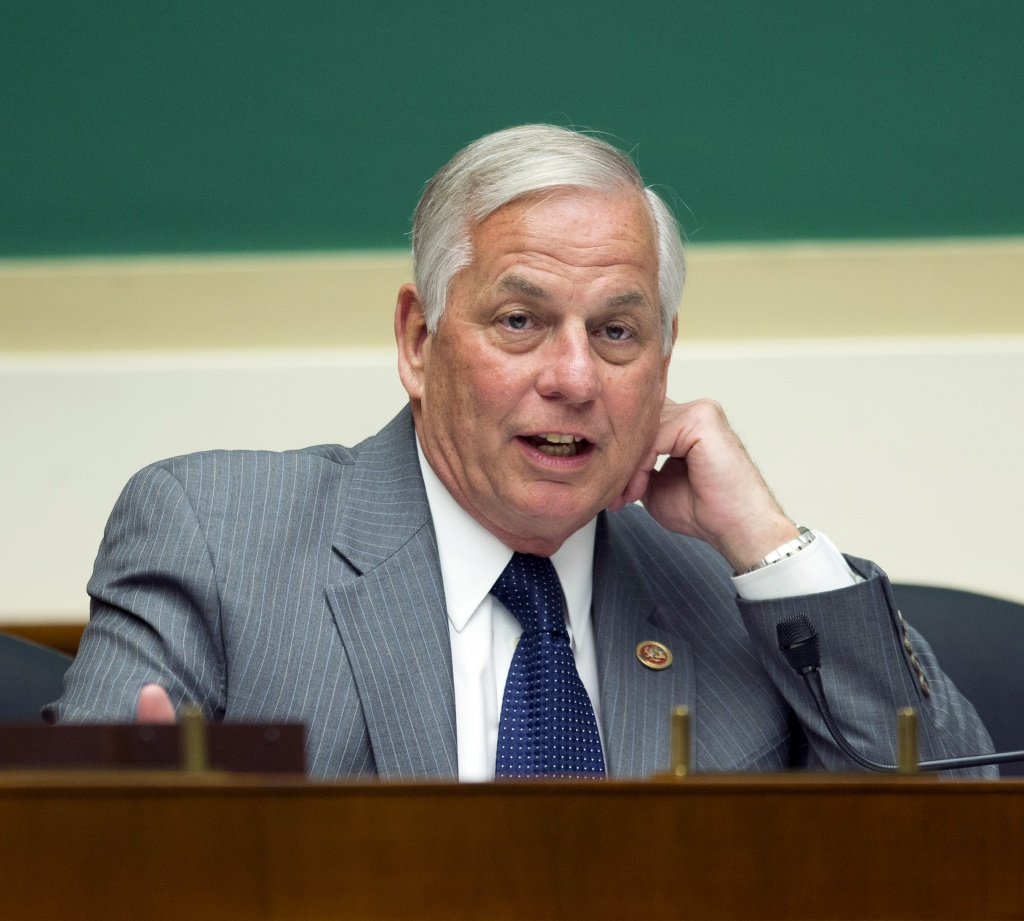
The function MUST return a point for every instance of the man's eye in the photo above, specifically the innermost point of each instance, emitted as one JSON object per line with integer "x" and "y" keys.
{"x": 517, "y": 321}
{"x": 616, "y": 333}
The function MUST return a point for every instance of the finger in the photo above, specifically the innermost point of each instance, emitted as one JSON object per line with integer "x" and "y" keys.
{"x": 679, "y": 428}
{"x": 154, "y": 706}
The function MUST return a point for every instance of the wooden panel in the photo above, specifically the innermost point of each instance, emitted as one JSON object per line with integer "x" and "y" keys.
{"x": 266, "y": 748}
{"x": 712, "y": 848}
{"x": 64, "y": 637}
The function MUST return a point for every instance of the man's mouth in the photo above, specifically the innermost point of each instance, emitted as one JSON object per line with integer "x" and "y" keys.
{"x": 555, "y": 445}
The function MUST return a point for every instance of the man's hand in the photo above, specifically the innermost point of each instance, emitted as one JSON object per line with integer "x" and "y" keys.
{"x": 154, "y": 706}
{"x": 709, "y": 487}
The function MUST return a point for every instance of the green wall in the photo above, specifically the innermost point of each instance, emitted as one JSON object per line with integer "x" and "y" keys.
{"x": 133, "y": 127}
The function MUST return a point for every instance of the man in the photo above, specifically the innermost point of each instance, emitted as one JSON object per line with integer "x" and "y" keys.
{"x": 378, "y": 593}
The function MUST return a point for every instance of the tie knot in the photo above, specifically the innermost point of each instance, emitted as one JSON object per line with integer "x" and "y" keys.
{"x": 530, "y": 589}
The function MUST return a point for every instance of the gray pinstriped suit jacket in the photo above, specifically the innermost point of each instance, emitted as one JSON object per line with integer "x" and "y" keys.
{"x": 306, "y": 586}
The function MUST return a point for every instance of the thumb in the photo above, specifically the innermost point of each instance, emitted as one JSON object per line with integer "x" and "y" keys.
{"x": 154, "y": 706}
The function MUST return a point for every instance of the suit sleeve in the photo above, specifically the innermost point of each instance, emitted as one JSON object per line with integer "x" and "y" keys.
{"x": 872, "y": 664}
{"x": 155, "y": 611}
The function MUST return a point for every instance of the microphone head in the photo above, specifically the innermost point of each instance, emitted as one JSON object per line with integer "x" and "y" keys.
{"x": 798, "y": 642}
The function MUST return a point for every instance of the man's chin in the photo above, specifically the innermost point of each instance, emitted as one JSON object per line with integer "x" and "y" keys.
{"x": 553, "y": 519}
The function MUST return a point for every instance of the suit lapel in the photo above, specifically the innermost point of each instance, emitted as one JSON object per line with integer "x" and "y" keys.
{"x": 636, "y": 701}
{"x": 391, "y": 612}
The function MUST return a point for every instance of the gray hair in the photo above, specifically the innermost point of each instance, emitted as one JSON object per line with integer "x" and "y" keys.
{"x": 508, "y": 165}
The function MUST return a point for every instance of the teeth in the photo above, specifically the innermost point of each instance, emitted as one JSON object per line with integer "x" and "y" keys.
{"x": 562, "y": 450}
{"x": 555, "y": 444}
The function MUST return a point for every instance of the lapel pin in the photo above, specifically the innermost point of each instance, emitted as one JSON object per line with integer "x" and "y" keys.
{"x": 654, "y": 654}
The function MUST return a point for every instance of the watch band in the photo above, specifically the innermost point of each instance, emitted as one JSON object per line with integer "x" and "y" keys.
{"x": 788, "y": 549}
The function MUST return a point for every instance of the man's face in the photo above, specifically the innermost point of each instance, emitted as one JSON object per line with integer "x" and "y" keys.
{"x": 542, "y": 388}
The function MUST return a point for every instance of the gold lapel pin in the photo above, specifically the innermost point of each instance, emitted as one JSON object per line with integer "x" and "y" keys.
{"x": 654, "y": 654}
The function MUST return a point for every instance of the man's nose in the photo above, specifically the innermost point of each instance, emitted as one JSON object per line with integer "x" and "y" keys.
{"x": 569, "y": 368}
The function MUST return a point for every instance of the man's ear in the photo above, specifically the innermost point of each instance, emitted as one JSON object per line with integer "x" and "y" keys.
{"x": 411, "y": 335}
{"x": 668, "y": 358}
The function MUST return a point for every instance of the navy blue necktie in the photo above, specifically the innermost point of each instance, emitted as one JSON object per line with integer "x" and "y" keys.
{"x": 547, "y": 721}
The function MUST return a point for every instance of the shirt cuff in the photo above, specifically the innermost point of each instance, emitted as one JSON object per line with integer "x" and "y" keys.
{"x": 819, "y": 567}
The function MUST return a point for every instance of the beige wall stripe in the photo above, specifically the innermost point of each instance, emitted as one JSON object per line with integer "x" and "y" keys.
{"x": 813, "y": 290}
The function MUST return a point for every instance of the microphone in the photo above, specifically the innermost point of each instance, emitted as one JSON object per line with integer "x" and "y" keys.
{"x": 799, "y": 643}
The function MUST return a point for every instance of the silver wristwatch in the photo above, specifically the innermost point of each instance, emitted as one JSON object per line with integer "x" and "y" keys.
{"x": 788, "y": 549}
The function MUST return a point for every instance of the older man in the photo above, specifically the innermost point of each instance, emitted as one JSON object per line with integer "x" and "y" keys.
{"x": 473, "y": 591}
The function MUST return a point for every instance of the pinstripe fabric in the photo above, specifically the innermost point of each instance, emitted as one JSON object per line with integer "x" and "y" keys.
{"x": 305, "y": 586}
{"x": 393, "y": 619}
{"x": 742, "y": 690}
{"x": 678, "y": 592}
{"x": 868, "y": 676}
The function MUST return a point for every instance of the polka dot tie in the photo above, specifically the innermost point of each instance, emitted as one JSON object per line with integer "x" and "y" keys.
{"x": 547, "y": 721}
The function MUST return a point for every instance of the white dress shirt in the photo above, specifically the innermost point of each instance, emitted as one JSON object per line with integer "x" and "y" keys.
{"x": 484, "y": 633}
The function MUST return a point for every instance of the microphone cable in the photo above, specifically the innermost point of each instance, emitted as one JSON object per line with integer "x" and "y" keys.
{"x": 801, "y": 646}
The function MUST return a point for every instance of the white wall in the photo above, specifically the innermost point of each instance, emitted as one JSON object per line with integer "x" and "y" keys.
{"x": 906, "y": 451}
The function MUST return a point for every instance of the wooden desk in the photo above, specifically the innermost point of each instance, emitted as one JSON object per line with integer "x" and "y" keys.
{"x": 111, "y": 846}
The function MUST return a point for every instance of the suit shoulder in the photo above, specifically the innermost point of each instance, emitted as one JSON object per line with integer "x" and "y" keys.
{"x": 205, "y": 475}
{"x": 216, "y": 490}
{"x": 255, "y": 460}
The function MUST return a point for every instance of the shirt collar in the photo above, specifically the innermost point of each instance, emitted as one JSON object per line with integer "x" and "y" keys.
{"x": 472, "y": 558}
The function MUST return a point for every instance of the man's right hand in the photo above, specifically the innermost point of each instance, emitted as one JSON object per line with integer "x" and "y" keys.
{"x": 154, "y": 706}
{"x": 709, "y": 487}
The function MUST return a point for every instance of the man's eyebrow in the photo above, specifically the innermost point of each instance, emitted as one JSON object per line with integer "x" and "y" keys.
{"x": 516, "y": 284}
{"x": 627, "y": 299}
